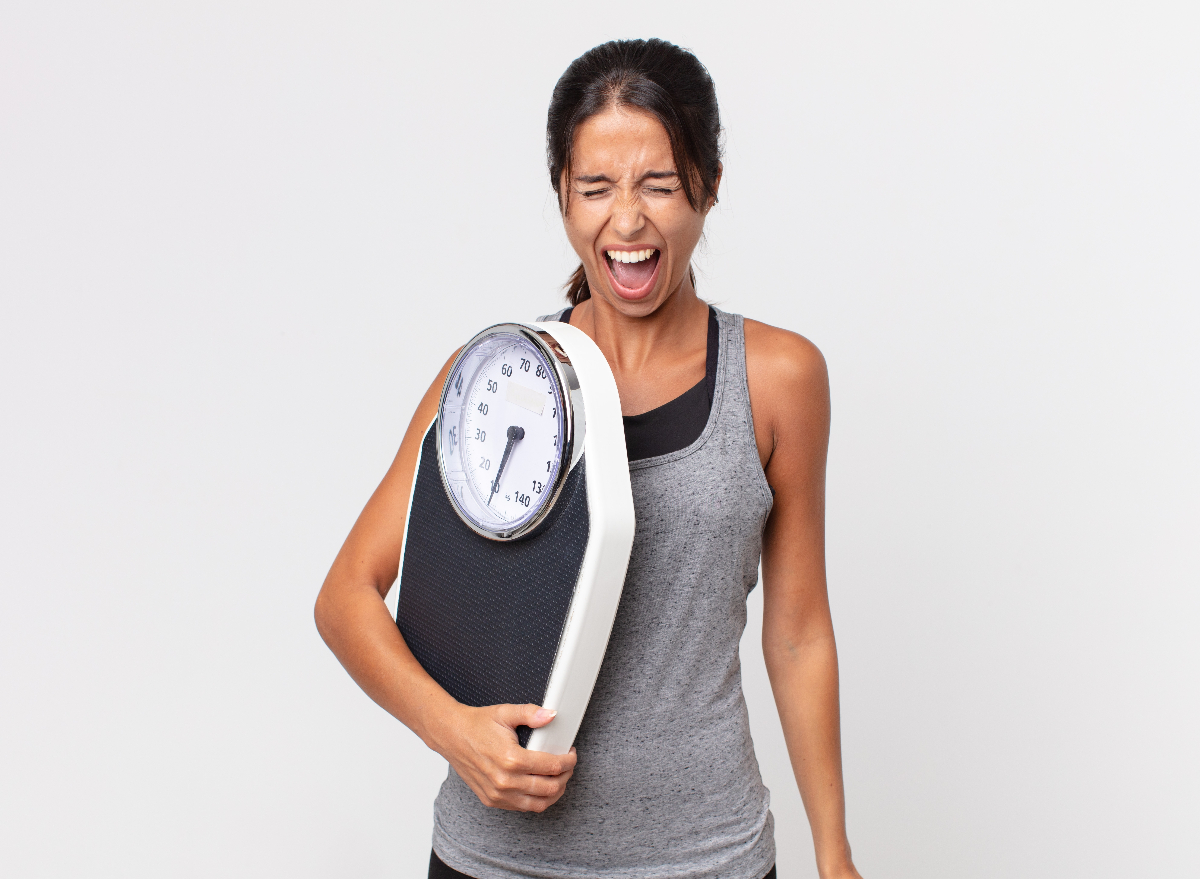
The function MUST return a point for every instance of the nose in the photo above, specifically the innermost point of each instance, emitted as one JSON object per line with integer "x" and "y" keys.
{"x": 627, "y": 218}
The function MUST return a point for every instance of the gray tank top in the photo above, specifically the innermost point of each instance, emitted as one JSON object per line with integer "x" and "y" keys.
{"x": 667, "y": 785}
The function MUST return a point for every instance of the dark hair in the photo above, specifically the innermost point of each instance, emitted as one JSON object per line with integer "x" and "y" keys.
{"x": 653, "y": 75}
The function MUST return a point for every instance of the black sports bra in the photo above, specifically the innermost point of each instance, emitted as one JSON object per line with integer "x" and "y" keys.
{"x": 677, "y": 423}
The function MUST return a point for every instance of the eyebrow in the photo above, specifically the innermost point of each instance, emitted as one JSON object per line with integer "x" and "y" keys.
{"x": 604, "y": 178}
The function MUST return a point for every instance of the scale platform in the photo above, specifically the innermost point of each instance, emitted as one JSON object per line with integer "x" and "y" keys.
{"x": 526, "y": 620}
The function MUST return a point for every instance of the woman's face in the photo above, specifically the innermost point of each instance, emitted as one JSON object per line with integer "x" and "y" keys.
{"x": 627, "y": 215}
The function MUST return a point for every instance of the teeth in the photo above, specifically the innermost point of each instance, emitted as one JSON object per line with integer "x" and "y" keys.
{"x": 631, "y": 255}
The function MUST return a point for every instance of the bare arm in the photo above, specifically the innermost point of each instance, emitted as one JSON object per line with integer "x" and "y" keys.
{"x": 480, "y": 743}
{"x": 789, "y": 390}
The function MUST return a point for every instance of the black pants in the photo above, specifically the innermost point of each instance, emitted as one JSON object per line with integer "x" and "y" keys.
{"x": 438, "y": 870}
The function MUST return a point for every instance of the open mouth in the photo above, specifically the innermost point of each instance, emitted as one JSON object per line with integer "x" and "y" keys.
{"x": 633, "y": 272}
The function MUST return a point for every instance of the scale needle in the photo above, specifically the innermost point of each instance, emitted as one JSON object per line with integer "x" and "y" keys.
{"x": 514, "y": 433}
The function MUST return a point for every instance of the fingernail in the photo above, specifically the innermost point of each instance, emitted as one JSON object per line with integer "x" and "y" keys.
{"x": 544, "y": 714}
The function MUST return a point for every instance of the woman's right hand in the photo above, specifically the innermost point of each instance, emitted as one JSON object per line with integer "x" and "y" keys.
{"x": 481, "y": 744}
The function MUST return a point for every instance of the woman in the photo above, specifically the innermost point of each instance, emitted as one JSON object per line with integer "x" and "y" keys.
{"x": 726, "y": 426}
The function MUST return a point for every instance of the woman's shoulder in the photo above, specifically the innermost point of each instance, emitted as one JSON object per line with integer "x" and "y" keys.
{"x": 789, "y": 391}
{"x": 783, "y": 357}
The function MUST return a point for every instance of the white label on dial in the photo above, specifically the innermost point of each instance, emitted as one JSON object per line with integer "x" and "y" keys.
{"x": 524, "y": 397}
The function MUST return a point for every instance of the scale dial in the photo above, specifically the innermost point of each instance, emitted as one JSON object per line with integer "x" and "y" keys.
{"x": 506, "y": 430}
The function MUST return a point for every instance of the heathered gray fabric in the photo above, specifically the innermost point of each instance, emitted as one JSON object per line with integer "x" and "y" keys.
{"x": 667, "y": 785}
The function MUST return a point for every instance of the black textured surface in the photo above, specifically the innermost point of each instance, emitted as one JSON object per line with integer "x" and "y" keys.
{"x": 484, "y": 617}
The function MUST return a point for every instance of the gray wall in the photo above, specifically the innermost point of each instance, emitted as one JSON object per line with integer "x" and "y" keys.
{"x": 238, "y": 239}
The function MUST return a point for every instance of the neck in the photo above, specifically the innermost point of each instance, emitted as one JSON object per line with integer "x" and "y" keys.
{"x": 635, "y": 343}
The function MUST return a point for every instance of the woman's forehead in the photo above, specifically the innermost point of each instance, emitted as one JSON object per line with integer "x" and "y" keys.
{"x": 621, "y": 138}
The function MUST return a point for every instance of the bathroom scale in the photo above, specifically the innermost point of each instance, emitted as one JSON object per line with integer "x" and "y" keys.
{"x": 519, "y": 527}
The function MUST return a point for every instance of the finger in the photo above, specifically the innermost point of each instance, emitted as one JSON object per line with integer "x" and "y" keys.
{"x": 511, "y": 777}
{"x": 545, "y": 787}
{"x": 543, "y": 763}
{"x": 518, "y": 763}
{"x": 533, "y": 804}
{"x": 532, "y": 716}
{"x": 514, "y": 789}
{"x": 542, "y": 786}
{"x": 540, "y": 764}
{"x": 522, "y": 803}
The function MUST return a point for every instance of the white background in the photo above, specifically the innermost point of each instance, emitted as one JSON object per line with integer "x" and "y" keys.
{"x": 238, "y": 239}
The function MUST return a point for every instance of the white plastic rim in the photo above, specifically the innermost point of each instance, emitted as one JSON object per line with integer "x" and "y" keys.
{"x": 610, "y": 540}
